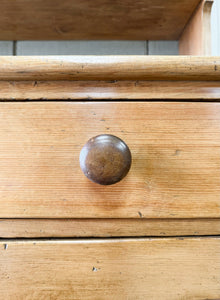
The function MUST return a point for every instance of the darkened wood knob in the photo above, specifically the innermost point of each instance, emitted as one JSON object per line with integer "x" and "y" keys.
{"x": 105, "y": 159}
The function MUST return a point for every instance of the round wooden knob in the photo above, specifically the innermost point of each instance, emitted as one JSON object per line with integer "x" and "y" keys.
{"x": 105, "y": 159}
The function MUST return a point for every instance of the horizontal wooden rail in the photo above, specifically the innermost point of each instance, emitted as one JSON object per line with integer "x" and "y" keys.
{"x": 43, "y": 228}
{"x": 109, "y": 90}
{"x": 110, "y": 68}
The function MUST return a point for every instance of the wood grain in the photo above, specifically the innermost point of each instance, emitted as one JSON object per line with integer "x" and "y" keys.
{"x": 47, "y": 228}
{"x": 175, "y": 153}
{"x": 196, "y": 37}
{"x": 109, "y": 90}
{"x": 172, "y": 268}
{"x": 124, "y": 67}
{"x": 96, "y": 20}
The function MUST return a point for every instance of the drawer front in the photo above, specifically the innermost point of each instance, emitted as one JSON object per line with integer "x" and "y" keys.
{"x": 172, "y": 268}
{"x": 175, "y": 170}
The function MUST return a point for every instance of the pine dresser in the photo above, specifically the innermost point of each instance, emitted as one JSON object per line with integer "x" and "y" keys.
{"x": 151, "y": 235}
{"x": 110, "y": 165}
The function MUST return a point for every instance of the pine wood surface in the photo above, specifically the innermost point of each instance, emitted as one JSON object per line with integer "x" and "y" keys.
{"x": 196, "y": 37}
{"x": 110, "y": 67}
{"x": 162, "y": 268}
{"x": 109, "y": 90}
{"x": 61, "y": 228}
{"x": 174, "y": 173}
{"x": 96, "y": 20}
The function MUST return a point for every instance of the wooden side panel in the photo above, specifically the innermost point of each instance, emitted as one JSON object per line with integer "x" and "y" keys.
{"x": 196, "y": 37}
{"x": 46, "y": 228}
{"x": 175, "y": 171}
{"x": 163, "y": 269}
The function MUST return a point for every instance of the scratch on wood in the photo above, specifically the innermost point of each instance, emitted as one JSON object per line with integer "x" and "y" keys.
{"x": 177, "y": 152}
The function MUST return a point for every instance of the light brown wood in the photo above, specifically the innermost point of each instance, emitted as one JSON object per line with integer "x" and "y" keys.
{"x": 172, "y": 268}
{"x": 44, "y": 228}
{"x": 109, "y": 90}
{"x": 109, "y": 68}
{"x": 175, "y": 153}
{"x": 96, "y": 20}
{"x": 196, "y": 37}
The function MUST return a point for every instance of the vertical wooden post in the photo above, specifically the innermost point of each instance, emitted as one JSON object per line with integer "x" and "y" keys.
{"x": 196, "y": 36}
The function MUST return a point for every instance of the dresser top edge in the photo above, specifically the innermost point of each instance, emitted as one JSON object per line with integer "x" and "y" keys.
{"x": 88, "y": 68}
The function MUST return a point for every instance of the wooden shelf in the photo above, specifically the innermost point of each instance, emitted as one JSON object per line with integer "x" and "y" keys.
{"x": 98, "y": 19}
{"x": 185, "y": 20}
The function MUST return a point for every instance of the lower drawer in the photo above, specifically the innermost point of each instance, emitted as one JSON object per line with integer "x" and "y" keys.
{"x": 158, "y": 268}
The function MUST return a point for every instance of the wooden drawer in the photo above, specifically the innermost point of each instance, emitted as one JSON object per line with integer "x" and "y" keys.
{"x": 171, "y": 268}
{"x": 175, "y": 171}
{"x": 172, "y": 189}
